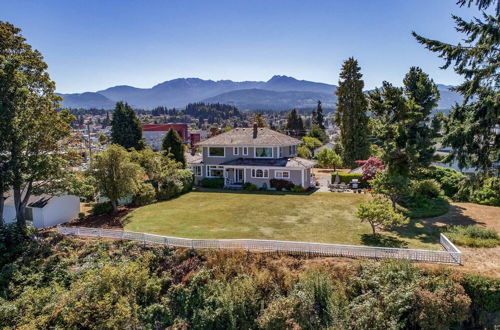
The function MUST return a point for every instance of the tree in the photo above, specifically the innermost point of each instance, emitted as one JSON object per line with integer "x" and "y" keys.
{"x": 328, "y": 158}
{"x": 126, "y": 128}
{"x": 351, "y": 116}
{"x": 318, "y": 133}
{"x": 379, "y": 214}
{"x": 294, "y": 124}
{"x": 470, "y": 126}
{"x": 102, "y": 139}
{"x": 31, "y": 157}
{"x": 116, "y": 175}
{"x": 319, "y": 118}
{"x": 371, "y": 167}
{"x": 260, "y": 121}
{"x": 394, "y": 187}
{"x": 311, "y": 143}
{"x": 173, "y": 146}
{"x": 304, "y": 152}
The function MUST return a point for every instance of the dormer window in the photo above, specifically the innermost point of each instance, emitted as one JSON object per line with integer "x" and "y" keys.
{"x": 264, "y": 152}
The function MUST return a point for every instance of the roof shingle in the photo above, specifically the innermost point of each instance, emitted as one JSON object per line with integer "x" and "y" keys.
{"x": 245, "y": 137}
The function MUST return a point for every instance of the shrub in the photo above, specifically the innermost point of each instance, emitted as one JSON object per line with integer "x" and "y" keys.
{"x": 81, "y": 215}
{"x": 298, "y": 189}
{"x": 187, "y": 179}
{"x": 485, "y": 295}
{"x": 216, "y": 183}
{"x": 170, "y": 188}
{"x": 145, "y": 195}
{"x": 281, "y": 184}
{"x": 249, "y": 186}
{"x": 473, "y": 236}
{"x": 347, "y": 177}
{"x": 489, "y": 193}
{"x": 428, "y": 188}
{"x": 101, "y": 208}
{"x": 449, "y": 179}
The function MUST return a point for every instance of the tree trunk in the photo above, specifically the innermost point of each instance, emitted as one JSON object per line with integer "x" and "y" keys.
{"x": 373, "y": 228}
{"x": 393, "y": 204}
{"x": 114, "y": 203}
{"x": 2, "y": 203}
{"x": 18, "y": 205}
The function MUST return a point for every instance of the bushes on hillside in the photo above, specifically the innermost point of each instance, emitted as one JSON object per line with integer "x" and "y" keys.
{"x": 69, "y": 283}
{"x": 216, "y": 183}
{"x": 473, "y": 236}
{"x": 428, "y": 188}
{"x": 488, "y": 193}
{"x": 145, "y": 195}
{"x": 449, "y": 179}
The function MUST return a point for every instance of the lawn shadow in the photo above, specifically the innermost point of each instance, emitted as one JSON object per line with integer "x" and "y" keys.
{"x": 382, "y": 240}
{"x": 256, "y": 192}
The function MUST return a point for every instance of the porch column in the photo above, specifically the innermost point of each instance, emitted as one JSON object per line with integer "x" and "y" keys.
{"x": 244, "y": 174}
{"x": 302, "y": 177}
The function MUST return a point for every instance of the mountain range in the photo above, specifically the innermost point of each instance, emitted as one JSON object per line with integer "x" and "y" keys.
{"x": 278, "y": 93}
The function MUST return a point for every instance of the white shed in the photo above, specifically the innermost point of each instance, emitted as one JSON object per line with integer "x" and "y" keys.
{"x": 45, "y": 210}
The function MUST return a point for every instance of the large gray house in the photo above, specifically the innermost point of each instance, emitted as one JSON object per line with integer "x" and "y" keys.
{"x": 254, "y": 155}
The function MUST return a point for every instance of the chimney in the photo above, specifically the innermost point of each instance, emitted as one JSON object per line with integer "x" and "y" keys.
{"x": 255, "y": 130}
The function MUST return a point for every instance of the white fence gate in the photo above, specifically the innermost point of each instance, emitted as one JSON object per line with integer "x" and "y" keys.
{"x": 451, "y": 255}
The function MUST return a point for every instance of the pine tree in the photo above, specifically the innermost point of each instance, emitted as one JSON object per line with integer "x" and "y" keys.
{"x": 126, "y": 129}
{"x": 294, "y": 124}
{"x": 351, "y": 116}
{"x": 470, "y": 127}
{"x": 320, "y": 118}
{"x": 173, "y": 146}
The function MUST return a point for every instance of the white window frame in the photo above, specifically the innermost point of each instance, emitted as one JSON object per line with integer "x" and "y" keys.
{"x": 292, "y": 150}
{"x": 236, "y": 151}
{"x": 265, "y": 173}
{"x": 197, "y": 170}
{"x": 280, "y": 174}
{"x": 223, "y": 148}
{"x": 245, "y": 151}
{"x": 218, "y": 167}
{"x": 255, "y": 152}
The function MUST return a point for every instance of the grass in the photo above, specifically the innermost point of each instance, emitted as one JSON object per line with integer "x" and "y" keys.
{"x": 318, "y": 217}
{"x": 473, "y": 236}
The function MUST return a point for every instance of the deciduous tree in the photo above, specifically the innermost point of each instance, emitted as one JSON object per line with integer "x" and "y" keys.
{"x": 394, "y": 187}
{"x": 379, "y": 214}
{"x": 328, "y": 158}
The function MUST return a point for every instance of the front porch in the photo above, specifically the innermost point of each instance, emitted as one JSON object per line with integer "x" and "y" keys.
{"x": 234, "y": 178}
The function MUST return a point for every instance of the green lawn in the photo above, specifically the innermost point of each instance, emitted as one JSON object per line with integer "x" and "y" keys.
{"x": 318, "y": 217}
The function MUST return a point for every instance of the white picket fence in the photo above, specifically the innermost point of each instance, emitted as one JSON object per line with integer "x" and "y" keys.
{"x": 451, "y": 256}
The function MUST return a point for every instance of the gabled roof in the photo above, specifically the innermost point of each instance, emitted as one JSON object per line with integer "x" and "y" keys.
{"x": 245, "y": 137}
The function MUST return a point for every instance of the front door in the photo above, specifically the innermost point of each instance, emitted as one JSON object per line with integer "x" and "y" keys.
{"x": 238, "y": 175}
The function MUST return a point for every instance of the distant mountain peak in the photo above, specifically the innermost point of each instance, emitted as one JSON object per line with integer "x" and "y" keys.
{"x": 279, "y": 78}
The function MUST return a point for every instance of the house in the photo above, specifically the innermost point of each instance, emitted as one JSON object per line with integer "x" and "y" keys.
{"x": 153, "y": 134}
{"x": 254, "y": 155}
{"x": 45, "y": 210}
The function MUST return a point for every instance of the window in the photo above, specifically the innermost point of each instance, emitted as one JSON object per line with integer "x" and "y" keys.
{"x": 196, "y": 170}
{"x": 216, "y": 152}
{"x": 292, "y": 150}
{"x": 280, "y": 152}
{"x": 264, "y": 152}
{"x": 282, "y": 174}
{"x": 215, "y": 171}
{"x": 245, "y": 151}
{"x": 236, "y": 151}
{"x": 260, "y": 173}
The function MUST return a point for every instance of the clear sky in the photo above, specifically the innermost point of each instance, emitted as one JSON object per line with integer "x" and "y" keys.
{"x": 94, "y": 44}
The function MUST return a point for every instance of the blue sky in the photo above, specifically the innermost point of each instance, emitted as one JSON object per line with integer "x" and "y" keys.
{"x": 94, "y": 44}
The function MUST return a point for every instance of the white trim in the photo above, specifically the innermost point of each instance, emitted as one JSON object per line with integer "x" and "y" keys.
{"x": 219, "y": 167}
{"x": 264, "y": 170}
{"x": 208, "y": 152}
{"x": 255, "y": 152}
{"x": 237, "y": 149}
{"x": 282, "y": 172}
{"x": 195, "y": 169}
{"x": 302, "y": 177}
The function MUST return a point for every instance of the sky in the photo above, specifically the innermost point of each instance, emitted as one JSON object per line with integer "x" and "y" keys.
{"x": 91, "y": 45}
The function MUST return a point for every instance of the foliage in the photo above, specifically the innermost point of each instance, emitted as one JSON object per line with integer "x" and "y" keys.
{"x": 484, "y": 293}
{"x": 101, "y": 208}
{"x": 418, "y": 208}
{"x": 32, "y": 131}
{"x": 318, "y": 133}
{"x": 177, "y": 182}
{"x": 126, "y": 129}
{"x": 304, "y": 152}
{"x": 82, "y": 185}
{"x": 115, "y": 173}
{"x": 311, "y": 143}
{"x": 298, "y": 189}
{"x": 281, "y": 184}
{"x": 249, "y": 186}
{"x": 488, "y": 193}
{"x": 102, "y": 139}
{"x": 259, "y": 121}
{"x": 428, "y": 188}
{"x": 473, "y": 236}
{"x": 370, "y": 167}
{"x": 403, "y": 115}
{"x": 317, "y": 117}
{"x": 173, "y": 146}
{"x": 469, "y": 126}
{"x": 328, "y": 158}
{"x": 394, "y": 187}
{"x": 294, "y": 124}
{"x": 217, "y": 183}
{"x": 144, "y": 195}
{"x": 351, "y": 116}
{"x": 448, "y": 178}
{"x": 379, "y": 213}
{"x": 348, "y": 177}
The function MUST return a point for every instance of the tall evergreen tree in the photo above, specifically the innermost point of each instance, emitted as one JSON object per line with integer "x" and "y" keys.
{"x": 320, "y": 118}
{"x": 173, "y": 146}
{"x": 351, "y": 116}
{"x": 126, "y": 128}
{"x": 294, "y": 124}
{"x": 470, "y": 127}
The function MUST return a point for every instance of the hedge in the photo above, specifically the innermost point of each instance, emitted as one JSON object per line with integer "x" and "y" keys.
{"x": 347, "y": 177}
{"x": 217, "y": 183}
